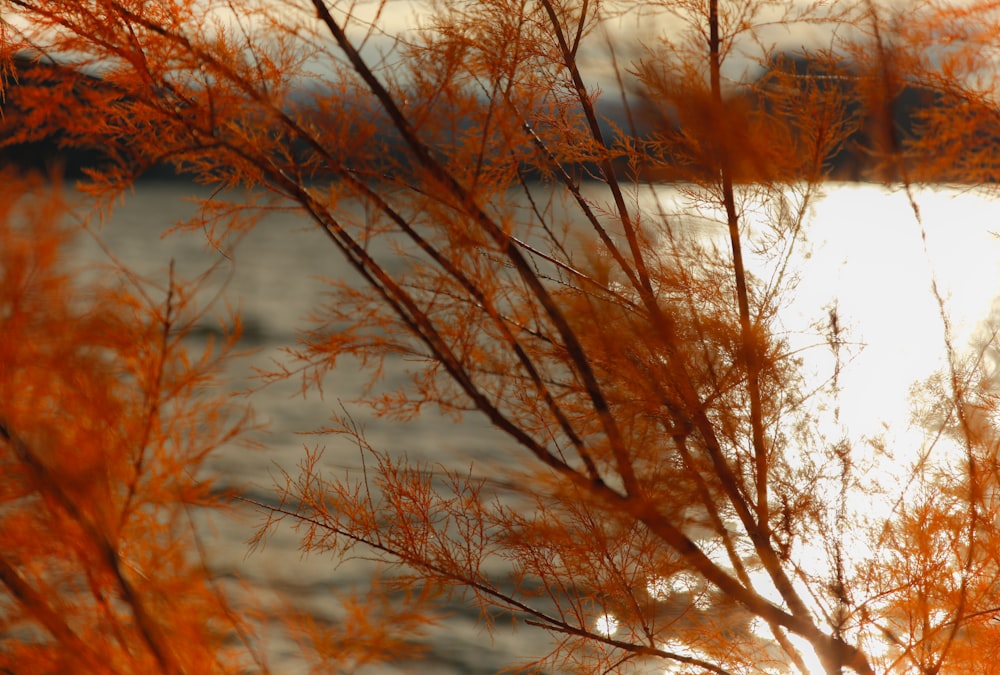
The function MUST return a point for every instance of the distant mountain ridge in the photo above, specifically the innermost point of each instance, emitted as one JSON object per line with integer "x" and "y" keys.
{"x": 28, "y": 81}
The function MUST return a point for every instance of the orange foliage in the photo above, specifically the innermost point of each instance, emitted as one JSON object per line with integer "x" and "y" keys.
{"x": 673, "y": 471}
{"x": 104, "y": 430}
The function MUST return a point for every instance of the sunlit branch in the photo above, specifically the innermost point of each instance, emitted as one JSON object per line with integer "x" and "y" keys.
{"x": 681, "y": 379}
{"x": 477, "y": 582}
{"x": 796, "y": 623}
{"x": 693, "y": 406}
{"x": 631, "y": 235}
{"x": 423, "y": 328}
{"x": 633, "y": 648}
{"x": 581, "y": 201}
{"x": 575, "y": 350}
{"x": 750, "y": 347}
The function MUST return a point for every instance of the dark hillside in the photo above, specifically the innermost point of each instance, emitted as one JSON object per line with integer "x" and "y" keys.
{"x": 35, "y": 97}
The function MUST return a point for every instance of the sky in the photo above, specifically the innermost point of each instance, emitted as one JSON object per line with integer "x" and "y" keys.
{"x": 628, "y": 32}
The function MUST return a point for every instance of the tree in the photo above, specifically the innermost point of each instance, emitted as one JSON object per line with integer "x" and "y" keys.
{"x": 105, "y": 428}
{"x": 676, "y": 464}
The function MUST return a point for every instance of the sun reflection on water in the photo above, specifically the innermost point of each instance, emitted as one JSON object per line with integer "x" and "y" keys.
{"x": 606, "y": 625}
{"x": 867, "y": 255}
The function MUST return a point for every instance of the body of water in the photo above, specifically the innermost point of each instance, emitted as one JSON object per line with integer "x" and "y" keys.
{"x": 864, "y": 248}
